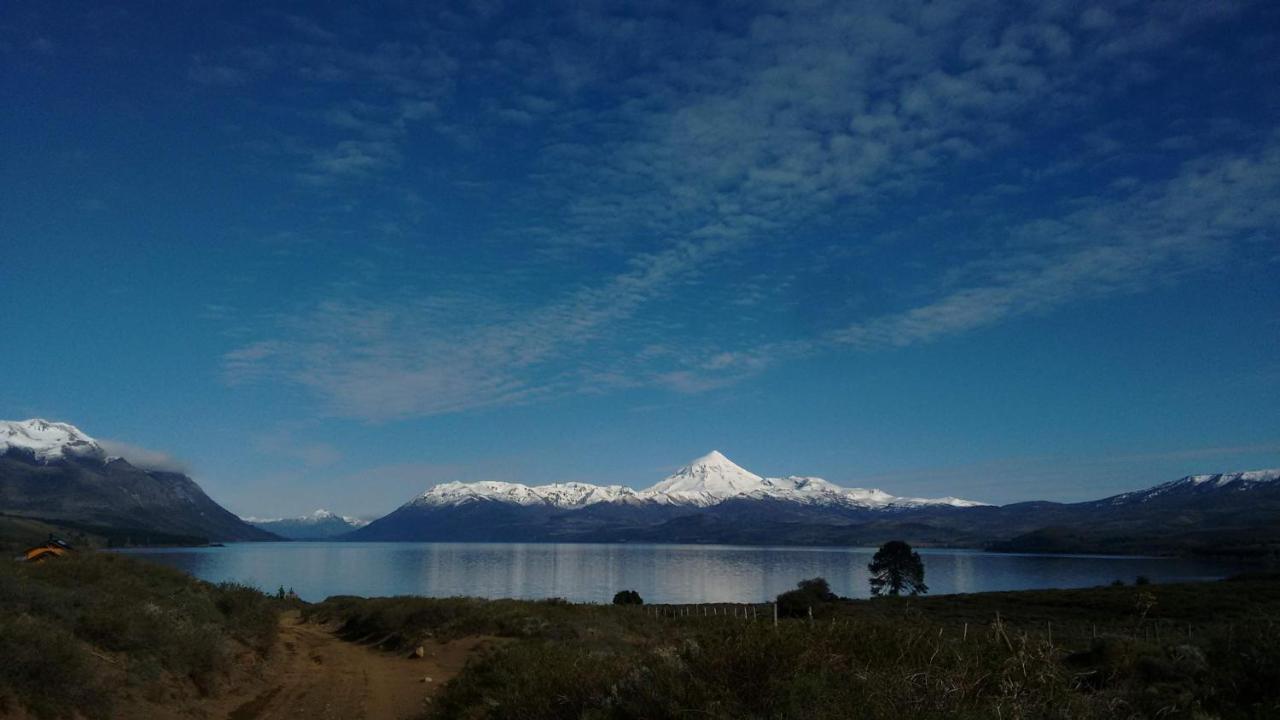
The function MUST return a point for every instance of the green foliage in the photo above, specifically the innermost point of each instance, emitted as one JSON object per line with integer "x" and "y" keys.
{"x": 627, "y": 597}
{"x": 895, "y": 568}
{"x": 147, "y": 617}
{"x": 46, "y": 670}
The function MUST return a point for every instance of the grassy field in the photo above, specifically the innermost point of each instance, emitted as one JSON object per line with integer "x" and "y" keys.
{"x": 1208, "y": 650}
{"x": 79, "y": 633}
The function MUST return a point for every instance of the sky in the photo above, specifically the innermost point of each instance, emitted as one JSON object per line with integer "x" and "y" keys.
{"x": 331, "y": 254}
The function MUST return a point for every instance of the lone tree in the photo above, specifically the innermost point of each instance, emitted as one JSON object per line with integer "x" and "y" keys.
{"x": 896, "y": 567}
{"x": 627, "y": 597}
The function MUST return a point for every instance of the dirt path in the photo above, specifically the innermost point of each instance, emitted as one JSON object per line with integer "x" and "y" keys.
{"x": 317, "y": 676}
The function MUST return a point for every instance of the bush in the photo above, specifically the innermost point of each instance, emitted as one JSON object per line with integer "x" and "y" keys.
{"x": 809, "y": 595}
{"x": 628, "y": 597}
{"x": 54, "y": 616}
{"x": 46, "y": 670}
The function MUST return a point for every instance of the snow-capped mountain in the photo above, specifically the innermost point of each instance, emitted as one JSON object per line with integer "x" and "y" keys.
{"x": 55, "y": 471}
{"x": 1201, "y": 485}
{"x": 713, "y": 500}
{"x": 705, "y": 482}
{"x": 318, "y": 525}
{"x": 314, "y": 518}
{"x": 559, "y": 495}
{"x": 46, "y": 441}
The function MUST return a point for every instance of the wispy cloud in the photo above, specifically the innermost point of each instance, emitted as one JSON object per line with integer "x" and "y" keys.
{"x": 379, "y": 361}
{"x": 657, "y": 162}
{"x": 145, "y": 458}
{"x": 1109, "y": 246}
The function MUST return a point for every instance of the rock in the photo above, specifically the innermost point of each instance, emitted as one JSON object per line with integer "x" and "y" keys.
{"x": 426, "y": 680}
{"x": 418, "y": 653}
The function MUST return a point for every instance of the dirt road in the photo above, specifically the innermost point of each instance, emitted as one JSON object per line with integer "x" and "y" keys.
{"x": 317, "y": 676}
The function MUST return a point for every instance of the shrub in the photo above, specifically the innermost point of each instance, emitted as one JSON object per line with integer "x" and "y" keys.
{"x": 627, "y": 597}
{"x": 46, "y": 670}
{"x": 809, "y": 595}
{"x": 56, "y": 615}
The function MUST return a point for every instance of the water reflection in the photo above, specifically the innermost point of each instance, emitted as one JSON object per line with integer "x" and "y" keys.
{"x": 661, "y": 573}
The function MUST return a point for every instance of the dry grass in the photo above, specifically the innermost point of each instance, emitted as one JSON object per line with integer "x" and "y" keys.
{"x": 61, "y": 621}
{"x": 997, "y": 655}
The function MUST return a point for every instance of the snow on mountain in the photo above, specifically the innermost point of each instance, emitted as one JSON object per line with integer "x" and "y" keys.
{"x": 47, "y": 440}
{"x": 707, "y": 481}
{"x": 559, "y": 495}
{"x": 315, "y": 518}
{"x": 1200, "y": 483}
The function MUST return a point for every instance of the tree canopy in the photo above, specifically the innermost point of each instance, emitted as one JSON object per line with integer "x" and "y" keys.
{"x": 627, "y": 597}
{"x": 896, "y": 568}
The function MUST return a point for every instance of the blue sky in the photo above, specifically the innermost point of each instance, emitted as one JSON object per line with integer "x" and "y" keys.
{"x": 331, "y": 255}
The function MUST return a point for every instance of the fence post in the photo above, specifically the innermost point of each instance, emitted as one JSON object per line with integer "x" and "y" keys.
{"x": 775, "y": 615}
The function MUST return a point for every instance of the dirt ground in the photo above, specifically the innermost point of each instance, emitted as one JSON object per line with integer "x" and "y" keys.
{"x": 313, "y": 674}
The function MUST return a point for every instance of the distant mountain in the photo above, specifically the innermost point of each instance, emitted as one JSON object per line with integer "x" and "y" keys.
{"x": 513, "y": 511}
{"x": 1235, "y": 514}
{"x": 713, "y": 500}
{"x": 53, "y": 471}
{"x": 319, "y": 525}
{"x": 707, "y": 481}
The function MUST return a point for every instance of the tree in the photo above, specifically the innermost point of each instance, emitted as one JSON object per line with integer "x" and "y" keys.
{"x": 809, "y": 594}
{"x": 896, "y": 567}
{"x": 628, "y": 597}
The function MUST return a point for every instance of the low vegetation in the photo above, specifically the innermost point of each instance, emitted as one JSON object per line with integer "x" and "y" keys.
{"x": 78, "y": 632}
{"x": 1206, "y": 650}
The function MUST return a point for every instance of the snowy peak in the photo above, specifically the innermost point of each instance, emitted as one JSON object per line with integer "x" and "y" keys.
{"x": 559, "y": 495}
{"x": 709, "y": 480}
{"x": 322, "y": 515}
{"x": 713, "y": 475}
{"x": 48, "y": 441}
{"x": 1223, "y": 479}
{"x": 1201, "y": 484}
{"x": 316, "y": 518}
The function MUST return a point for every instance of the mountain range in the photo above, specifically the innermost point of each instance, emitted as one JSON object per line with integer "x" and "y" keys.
{"x": 54, "y": 472}
{"x": 319, "y": 525}
{"x": 583, "y": 511}
{"x": 713, "y": 500}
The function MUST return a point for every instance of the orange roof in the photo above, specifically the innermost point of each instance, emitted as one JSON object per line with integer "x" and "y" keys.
{"x": 44, "y": 552}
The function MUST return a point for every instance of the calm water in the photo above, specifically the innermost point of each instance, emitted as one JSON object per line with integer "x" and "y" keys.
{"x": 661, "y": 573}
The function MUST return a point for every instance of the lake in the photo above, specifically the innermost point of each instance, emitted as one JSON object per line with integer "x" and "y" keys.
{"x": 660, "y": 573}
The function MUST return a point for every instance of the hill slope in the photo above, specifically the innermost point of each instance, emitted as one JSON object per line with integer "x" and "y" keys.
{"x": 55, "y": 472}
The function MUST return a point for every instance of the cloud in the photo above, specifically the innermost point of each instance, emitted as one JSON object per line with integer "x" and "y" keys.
{"x": 1108, "y": 247}
{"x": 379, "y": 361}
{"x": 649, "y": 154}
{"x": 144, "y": 458}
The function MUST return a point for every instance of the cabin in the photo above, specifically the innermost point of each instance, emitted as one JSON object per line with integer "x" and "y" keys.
{"x": 52, "y": 549}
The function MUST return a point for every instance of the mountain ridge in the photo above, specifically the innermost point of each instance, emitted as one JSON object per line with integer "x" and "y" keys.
{"x": 318, "y": 525}
{"x": 55, "y": 471}
{"x": 704, "y": 482}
